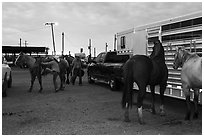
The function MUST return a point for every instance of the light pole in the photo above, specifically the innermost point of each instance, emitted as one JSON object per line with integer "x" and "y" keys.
{"x": 53, "y": 39}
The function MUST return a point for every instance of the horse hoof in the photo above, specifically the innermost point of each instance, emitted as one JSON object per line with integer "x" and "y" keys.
{"x": 67, "y": 82}
{"x": 141, "y": 121}
{"x": 56, "y": 90}
{"x": 127, "y": 120}
{"x": 153, "y": 111}
{"x": 162, "y": 114}
{"x": 187, "y": 118}
{"x": 61, "y": 88}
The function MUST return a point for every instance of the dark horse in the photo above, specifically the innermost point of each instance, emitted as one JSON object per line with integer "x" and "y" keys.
{"x": 34, "y": 68}
{"x": 69, "y": 59}
{"x": 145, "y": 71}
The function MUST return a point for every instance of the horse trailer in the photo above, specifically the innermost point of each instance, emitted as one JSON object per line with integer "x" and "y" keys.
{"x": 174, "y": 32}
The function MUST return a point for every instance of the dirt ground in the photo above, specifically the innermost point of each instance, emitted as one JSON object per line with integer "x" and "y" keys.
{"x": 85, "y": 110}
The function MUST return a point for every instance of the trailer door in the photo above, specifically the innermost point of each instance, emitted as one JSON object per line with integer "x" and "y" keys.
{"x": 140, "y": 42}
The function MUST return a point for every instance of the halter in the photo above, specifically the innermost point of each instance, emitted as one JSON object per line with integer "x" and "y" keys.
{"x": 184, "y": 57}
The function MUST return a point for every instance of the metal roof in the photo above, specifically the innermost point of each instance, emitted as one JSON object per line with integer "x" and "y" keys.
{"x": 17, "y": 49}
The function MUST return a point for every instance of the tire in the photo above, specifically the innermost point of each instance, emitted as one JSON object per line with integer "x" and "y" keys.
{"x": 113, "y": 84}
{"x": 4, "y": 86}
{"x": 10, "y": 81}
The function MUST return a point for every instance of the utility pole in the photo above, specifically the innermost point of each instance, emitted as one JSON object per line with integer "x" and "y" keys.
{"x": 94, "y": 52}
{"x": 20, "y": 42}
{"x": 53, "y": 39}
{"x": 89, "y": 47}
{"x": 26, "y": 43}
{"x": 115, "y": 39}
{"x": 62, "y": 43}
{"x": 106, "y": 47}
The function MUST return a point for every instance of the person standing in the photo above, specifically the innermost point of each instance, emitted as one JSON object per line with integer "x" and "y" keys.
{"x": 76, "y": 70}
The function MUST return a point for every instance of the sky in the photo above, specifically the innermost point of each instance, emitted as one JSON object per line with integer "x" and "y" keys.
{"x": 81, "y": 21}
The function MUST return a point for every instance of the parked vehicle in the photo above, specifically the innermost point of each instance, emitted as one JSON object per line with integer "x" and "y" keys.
{"x": 107, "y": 67}
{"x": 6, "y": 77}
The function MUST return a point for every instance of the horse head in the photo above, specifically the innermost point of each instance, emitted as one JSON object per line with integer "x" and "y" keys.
{"x": 48, "y": 59}
{"x": 179, "y": 57}
{"x": 158, "y": 51}
{"x": 20, "y": 60}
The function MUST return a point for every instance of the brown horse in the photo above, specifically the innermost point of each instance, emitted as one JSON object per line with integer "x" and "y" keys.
{"x": 69, "y": 59}
{"x": 145, "y": 71}
{"x": 34, "y": 68}
{"x": 63, "y": 66}
{"x": 191, "y": 76}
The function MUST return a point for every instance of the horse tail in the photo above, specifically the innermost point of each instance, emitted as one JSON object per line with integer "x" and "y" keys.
{"x": 128, "y": 84}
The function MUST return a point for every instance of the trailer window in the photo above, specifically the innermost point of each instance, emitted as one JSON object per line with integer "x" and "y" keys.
{"x": 183, "y": 36}
{"x": 182, "y": 24}
{"x": 122, "y": 41}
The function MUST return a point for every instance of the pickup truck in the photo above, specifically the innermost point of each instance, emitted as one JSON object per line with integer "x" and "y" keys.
{"x": 107, "y": 67}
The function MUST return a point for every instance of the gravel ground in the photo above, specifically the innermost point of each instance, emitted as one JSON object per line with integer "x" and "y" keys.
{"x": 84, "y": 110}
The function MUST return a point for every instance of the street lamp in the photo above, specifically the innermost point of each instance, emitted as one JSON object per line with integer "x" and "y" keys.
{"x": 53, "y": 39}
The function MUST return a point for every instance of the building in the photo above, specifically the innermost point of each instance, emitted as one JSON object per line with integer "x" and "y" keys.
{"x": 10, "y": 52}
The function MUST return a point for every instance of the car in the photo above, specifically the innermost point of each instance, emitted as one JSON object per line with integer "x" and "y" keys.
{"x": 6, "y": 77}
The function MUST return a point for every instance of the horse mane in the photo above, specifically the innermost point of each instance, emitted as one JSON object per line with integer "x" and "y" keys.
{"x": 187, "y": 55}
{"x": 160, "y": 55}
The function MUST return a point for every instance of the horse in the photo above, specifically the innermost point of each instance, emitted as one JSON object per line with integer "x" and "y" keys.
{"x": 191, "y": 77}
{"x": 69, "y": 59}
{"x": 34, "y": 68}
{"x": 144, "y": 70}
{"x": 63, "y": 69}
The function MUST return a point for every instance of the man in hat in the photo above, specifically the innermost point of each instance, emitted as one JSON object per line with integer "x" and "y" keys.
{"x": 76, "y": 69}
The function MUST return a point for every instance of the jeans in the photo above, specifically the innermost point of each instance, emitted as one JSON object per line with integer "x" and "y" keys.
{"x": 76, "y": 72}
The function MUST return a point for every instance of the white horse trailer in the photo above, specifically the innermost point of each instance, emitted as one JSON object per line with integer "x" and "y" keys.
{"x": 179, "y": 31}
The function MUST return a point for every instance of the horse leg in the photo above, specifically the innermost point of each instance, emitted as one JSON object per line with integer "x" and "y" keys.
{"x": 162, "y": 90}
{"x": 126, "y": 115}
{"x": 140, "y": 97}
{"x": 40, "y": 82}
{"x": 33, "y": 76}
{"x": 62, "y": 80}
{"x": 67, "y": 81}
{"x": 187, "y": 94}
{"x": 195, "y": 100}
{"x": 55, "y": 74}
{"x": 126, "y": 99}
{"x": 152, "y": 88}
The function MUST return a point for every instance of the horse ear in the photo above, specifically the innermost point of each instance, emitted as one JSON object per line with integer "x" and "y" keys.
{"x": 21, "y": 53}
{"x": 177, "y": 49}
